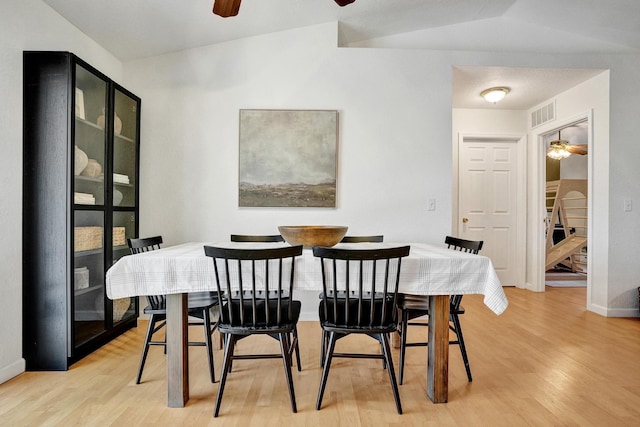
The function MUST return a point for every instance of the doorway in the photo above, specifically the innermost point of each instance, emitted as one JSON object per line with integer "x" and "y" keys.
{"x": 585, "y": 123}
{"x": 566, "y": 205}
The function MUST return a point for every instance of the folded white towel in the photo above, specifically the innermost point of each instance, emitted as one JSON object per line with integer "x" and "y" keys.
{"x": 122, "y": 179}
{"x": 83, "y": 199}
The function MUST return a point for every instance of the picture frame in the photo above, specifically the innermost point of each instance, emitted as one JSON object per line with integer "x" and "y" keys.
{"x": 288, "y": 158}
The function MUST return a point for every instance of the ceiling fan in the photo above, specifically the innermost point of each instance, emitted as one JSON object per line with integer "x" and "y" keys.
{"x": 561, "y": 149}
{"x": 227, "y": 8}
{"x": 578, "y": 149}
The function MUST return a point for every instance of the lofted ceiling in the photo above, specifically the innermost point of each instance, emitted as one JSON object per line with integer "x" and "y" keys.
{"x": 141, "y": 28}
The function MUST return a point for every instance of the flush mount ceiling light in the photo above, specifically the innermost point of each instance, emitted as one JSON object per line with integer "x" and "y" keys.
{"x": 227, "y": 8}
{"x": 558, "y": 149}
{"x": 494, "y": 94}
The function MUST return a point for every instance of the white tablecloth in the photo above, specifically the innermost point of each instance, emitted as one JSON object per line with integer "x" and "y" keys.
{"x": 428, "y": 270}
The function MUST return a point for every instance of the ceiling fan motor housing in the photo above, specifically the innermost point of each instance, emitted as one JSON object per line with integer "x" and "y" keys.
{"x": 226, "y": 8}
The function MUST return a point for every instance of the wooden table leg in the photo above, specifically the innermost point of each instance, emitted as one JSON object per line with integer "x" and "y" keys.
{"x": 177, "y": 351}
{"x": 438, "y": 350}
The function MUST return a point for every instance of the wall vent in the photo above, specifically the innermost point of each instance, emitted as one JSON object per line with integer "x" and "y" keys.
{"x": 544, "y": 114}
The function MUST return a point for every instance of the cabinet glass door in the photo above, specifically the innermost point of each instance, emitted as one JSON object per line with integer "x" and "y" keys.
{"x": 88, "y": 275}
{"x": 125, "y": 132}
{"x": 125, "y": 151}
{"x": 124, "y": 227}
{"x": 89, "y": 199}
{"x": 89, "y": 158}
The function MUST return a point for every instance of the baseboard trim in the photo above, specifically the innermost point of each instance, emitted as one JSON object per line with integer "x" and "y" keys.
{"x": 12, "y": 370}
{"x": 309, "y": 316}
{"x": 623, "y": 312}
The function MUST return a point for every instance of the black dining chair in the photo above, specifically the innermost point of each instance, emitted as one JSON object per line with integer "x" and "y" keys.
{"x": 362, "y": 239}
{"x": 414, "y": 306}
{"x": 257, "y": 238}
{"x": 359, "y": 295}
{"x": 253, "y": 289}
{"x": 377, "y": 238}
{"x": 199, "y": 304}
{"x": 268, "y": 238}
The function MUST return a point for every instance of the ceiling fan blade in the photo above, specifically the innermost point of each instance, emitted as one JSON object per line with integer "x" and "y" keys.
{"x": 226, "y": 8}
{"x": 578, "y": 149}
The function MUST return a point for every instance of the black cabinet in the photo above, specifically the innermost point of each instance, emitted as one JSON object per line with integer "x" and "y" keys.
{"x": 80, "y": 203}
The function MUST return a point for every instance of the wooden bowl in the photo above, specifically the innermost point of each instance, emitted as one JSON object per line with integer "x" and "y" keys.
{"x": 312, "y": 235}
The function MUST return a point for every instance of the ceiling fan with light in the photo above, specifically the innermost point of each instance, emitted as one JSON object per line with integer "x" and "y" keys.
{"x": 561, "y": 149}
{"x": 227, "y": 8}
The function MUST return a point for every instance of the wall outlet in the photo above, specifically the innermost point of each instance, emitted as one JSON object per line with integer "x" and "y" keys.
{"x": 628, "y": 206}
{"x": 432, "y": 205}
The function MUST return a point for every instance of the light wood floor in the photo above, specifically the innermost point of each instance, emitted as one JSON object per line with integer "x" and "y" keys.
{"x": 545, "y": 361}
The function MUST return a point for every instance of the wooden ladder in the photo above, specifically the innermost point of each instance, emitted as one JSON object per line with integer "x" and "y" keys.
{"x": 566, "y": 203}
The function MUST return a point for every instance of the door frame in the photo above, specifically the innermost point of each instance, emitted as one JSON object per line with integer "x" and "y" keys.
{"x": 521, "y": 192}
{"x": 538, "y": 245}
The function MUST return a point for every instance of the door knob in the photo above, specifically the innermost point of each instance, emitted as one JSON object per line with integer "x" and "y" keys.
{"x": 465, "y": 220}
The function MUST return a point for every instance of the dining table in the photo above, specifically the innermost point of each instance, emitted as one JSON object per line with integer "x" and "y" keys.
{"x": 429, "y": 269}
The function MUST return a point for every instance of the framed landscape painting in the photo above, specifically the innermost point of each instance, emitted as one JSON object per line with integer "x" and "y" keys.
{"x": 288, "y": 158}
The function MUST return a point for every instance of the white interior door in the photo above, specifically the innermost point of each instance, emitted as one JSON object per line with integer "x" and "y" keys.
{"x": 491, "y": 203}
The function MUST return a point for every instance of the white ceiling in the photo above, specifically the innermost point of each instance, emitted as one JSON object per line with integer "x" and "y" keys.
{"x": 529, "y": 87}
{"x": 133, "y": 29}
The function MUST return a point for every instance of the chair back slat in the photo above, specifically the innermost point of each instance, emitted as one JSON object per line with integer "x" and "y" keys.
{"x": 386, "y": 288}
{"x": 266, "y": 294}
{"x": 468, "y": 246}
{"x": 156, "y": 301}
{"x": 455, "y": 301}
{"x": 147, "y": 244}
{"x": 257, "y": 238}
{"x": 241, "y": 292}
{"x": 369, "y": 298}
{"x": 253, "y": 286}
{"x": 362, "y": 239}
{"x": 371, "y": 303}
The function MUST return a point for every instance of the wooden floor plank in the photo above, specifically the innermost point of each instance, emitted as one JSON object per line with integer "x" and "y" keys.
{"x": 545, "y": 361}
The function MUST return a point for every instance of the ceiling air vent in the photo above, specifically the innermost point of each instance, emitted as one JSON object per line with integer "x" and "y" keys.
{"x": 543, "y": 114}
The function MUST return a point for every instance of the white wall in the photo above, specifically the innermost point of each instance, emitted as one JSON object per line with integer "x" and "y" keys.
{"x": 388, "y": 166}
{"x": 574, "y": 167}
{"x": 25, "y": 25}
